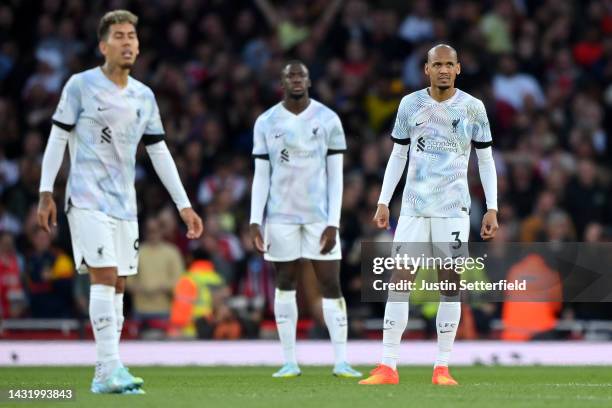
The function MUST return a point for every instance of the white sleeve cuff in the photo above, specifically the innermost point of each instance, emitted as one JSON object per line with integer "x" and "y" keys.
{"x": 488, "y": 176}
{"x": 168, "y": 174}
{"x": 334, "y": 189}
{"x": 260, "y": 190}
{"x": 393, "y": 172}
{"x": 53, "y": 157}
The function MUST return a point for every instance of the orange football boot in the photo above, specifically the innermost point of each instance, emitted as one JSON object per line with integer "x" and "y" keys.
{"x": 441, "y": 376}
{"x": 382, "y": 374}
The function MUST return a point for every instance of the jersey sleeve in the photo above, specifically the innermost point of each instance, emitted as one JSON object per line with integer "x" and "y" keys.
{"x": 154, "y": 132}
{"x": 481, "y": 132}
{"x": 401, "y": 129}
{"x": 69, "y": 106}
{"x": 260, "y": 148}
{"x": 337, "y": 140}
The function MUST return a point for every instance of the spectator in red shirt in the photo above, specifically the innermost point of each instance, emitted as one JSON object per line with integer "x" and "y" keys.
{"x": 12, "y": 296}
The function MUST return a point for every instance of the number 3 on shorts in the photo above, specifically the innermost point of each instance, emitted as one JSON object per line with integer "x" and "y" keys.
{"x": 457, "y": 240}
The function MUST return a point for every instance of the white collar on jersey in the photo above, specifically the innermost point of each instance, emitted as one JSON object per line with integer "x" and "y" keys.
{"x": 310, "y": 104}
{"x": 446, "y": 101}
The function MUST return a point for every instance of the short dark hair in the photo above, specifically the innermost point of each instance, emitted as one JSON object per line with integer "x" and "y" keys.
{"x": 115, "y": 17}
{"x": 291, "y": 63}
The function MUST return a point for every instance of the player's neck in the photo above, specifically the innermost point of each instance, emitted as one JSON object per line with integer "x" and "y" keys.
{"x": 296, "y": 106}
{"x": 116, "y": 74}
{"x": 440, "y": 95}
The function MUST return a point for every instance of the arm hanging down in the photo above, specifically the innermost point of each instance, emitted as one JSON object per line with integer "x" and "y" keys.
{"x": 488, "y": 176}
{"x": 393, "y": 172}
{"x": 168, "y": 174}
{"x": 52, "y": 159}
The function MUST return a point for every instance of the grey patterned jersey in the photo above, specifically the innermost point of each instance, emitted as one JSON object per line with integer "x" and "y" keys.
{"x": 441, "y": 135}
{"x": 297, "y": 147}
{"x": 106, "y": 124}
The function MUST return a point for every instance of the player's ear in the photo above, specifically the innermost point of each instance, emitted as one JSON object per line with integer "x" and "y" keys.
{"x": 458, "y": 69}
{"x": 426, "y": 69}
{"x": 102, "y": 46}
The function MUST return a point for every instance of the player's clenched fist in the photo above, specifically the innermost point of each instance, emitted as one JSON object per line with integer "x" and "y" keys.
{"x": 381, "y": 218}
{"x": 489, "y": 225}
{"x": 193, "y": 223}
{"x": 257, "y": 238}
{"x": 46, "y": 210}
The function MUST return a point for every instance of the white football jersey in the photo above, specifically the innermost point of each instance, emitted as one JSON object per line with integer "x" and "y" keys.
{"x": 297, "y": 147}
{"x": 441, "y": 135}
{"x": 106, "y": 124}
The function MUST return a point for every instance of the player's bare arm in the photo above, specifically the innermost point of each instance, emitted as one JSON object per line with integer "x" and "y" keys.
{"x": 257, "y": 237}
{"x": 47, "y": 211}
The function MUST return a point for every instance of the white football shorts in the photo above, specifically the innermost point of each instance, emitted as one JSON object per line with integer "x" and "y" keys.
{"x": 99, "y": 240}
{"x": 288, "y": 242}
{"x": 449, "y": 236}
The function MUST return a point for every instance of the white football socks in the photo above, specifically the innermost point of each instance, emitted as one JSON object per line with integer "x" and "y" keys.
{"x": 119, "y": 315}
{"x": 447, "y": 321}
{"x": 396, "y": 319}
{"x": 104, "y": 325}
{"x": 334, "y": 314}
{"x": 286, "y": 314}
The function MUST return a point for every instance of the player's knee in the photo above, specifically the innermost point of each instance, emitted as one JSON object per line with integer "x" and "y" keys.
{"x": 284, "y": 282}
{"x": 120, "y": 285}
{"x": 103, "y": 276}
{"x": 330, "y": 289}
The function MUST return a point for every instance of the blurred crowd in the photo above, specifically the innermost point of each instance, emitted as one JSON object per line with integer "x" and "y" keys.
{"x": 543, "y": 69}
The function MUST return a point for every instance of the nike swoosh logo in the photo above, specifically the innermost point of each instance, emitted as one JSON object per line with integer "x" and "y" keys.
{"x": 102, "y": 110}
{"x": 447, "y": 331}
{"x": 419, "y": 124}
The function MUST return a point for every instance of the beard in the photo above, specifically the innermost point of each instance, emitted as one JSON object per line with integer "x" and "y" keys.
{"x": 127, "y": 65}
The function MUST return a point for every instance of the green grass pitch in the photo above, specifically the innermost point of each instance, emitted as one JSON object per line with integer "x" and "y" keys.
{"x": 244, "y": 387}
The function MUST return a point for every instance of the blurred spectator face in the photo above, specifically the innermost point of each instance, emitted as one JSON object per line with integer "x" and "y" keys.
{"x": 442, "y": 67}
{"x": 32, "y": 145}
{"x": 587, "y": 173}
{"x": 121, "y": 46}
{"x": 421, "y": 8}
{"x": 355, "y": 52}
{"x": 66, "y": 29}
{"x": 178, "y": 34}
{"x": 546, "y": 202}
{"x": 354, "y": 12}
{"x": 593, "y": 233}
{"x": 168, "y": 223}
{"x": 370, "y": 158}
{"x": 212, "y": 27}
{"x": 298, "y": 13}
{"x": 245, "y": 22}
{"x": 558, "y": 227}
{"x": 212, "y": 132}
{"x": 154, "y": 231}
{"x": 295, "y": 81}
{"x": 6, "y": 244}
{"x": 41, "y": 241}
{"x": 507, "y": 65}
{"x": 45, "y": 26}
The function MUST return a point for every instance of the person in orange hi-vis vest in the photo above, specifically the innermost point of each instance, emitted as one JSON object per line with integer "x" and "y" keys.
{"x": 534, "y": 310}
{"x": 194, "y": 297}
